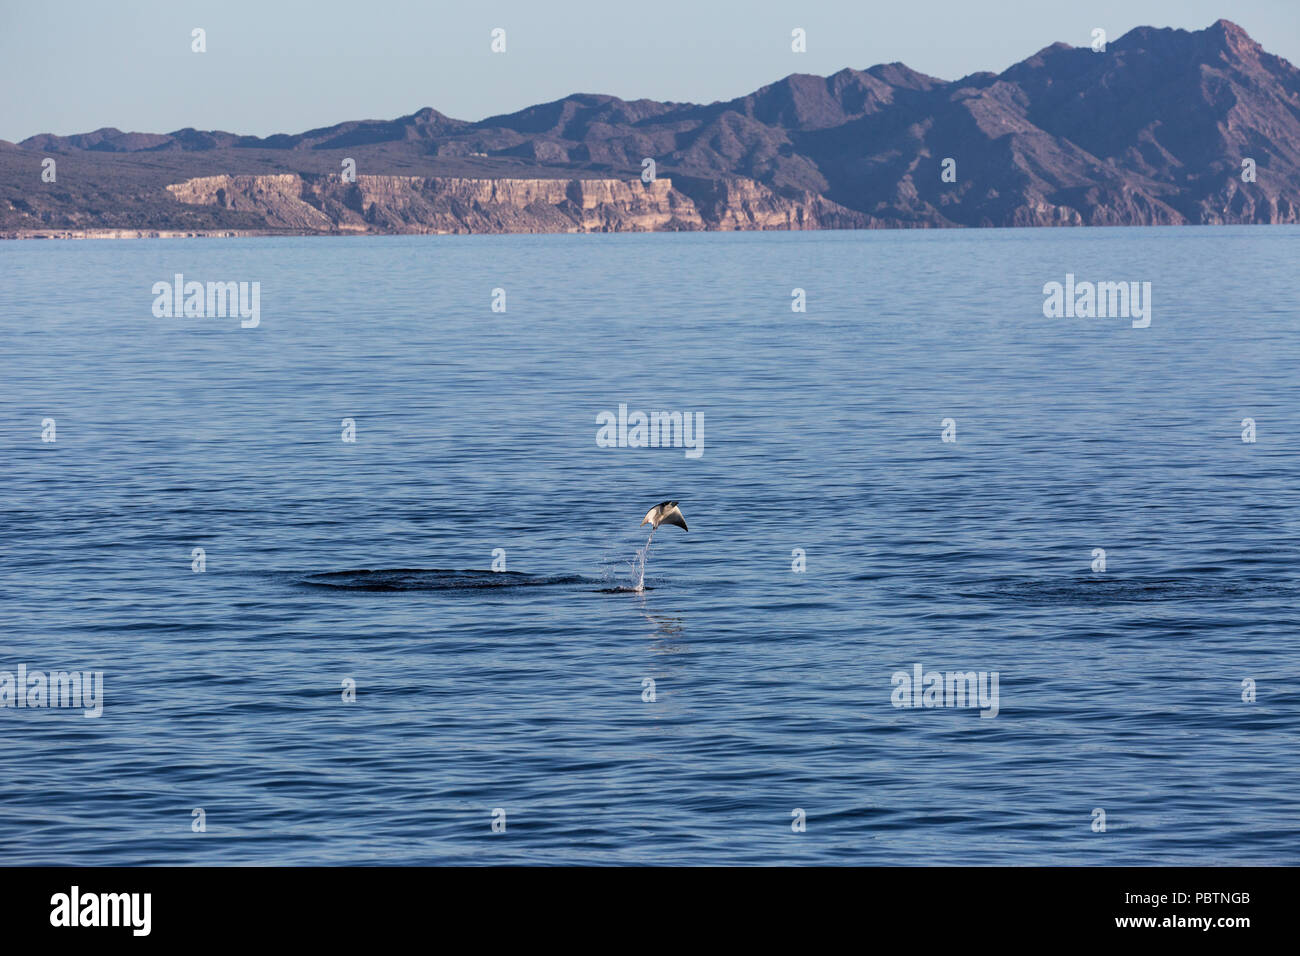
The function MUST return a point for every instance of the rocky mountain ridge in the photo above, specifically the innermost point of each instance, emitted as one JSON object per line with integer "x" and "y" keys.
{"x": 1156, "y": 130}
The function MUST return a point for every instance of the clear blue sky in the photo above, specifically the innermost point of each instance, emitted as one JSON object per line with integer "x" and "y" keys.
{"x": 277, "y": 66}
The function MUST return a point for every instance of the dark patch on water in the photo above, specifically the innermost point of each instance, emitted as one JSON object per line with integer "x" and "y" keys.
{"x": 435, "y": 579}
{"x": 1104, "y": 589}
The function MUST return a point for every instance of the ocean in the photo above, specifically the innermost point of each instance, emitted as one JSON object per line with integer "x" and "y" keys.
{"x": 359, "y": 577}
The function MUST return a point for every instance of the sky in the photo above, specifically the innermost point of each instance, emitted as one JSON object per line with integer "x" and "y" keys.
{"x": 284, "y": 66}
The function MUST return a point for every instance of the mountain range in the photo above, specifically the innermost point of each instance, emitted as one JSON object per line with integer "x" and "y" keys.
{"x": 1153, "y": 131}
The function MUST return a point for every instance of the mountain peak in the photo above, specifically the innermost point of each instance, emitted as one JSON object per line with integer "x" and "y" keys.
{"x": 1233, "y": 37}
{"x": 1229, "y": 28}
{"x": 900, "y": 74}
{"x": 1222, "y": 36}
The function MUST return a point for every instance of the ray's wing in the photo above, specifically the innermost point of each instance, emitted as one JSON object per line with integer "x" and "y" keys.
{"x": 674, "y": 516}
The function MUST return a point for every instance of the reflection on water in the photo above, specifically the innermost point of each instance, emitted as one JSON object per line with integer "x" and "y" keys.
{"x": 667, "y": 626}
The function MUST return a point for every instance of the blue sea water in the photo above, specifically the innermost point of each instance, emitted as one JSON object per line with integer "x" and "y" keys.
{"x": 371, "y": 561}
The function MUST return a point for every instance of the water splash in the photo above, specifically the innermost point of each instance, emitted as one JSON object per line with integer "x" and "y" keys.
{"x": 638, "y": 563}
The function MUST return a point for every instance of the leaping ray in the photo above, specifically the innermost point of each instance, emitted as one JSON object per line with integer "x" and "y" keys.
{"x": 664, "y": 513}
